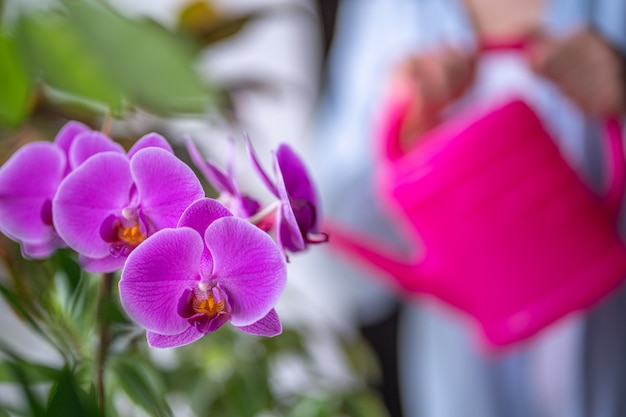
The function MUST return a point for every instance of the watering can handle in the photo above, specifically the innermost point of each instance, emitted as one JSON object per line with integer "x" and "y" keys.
{"x": 613, "y": 137}
{"x": 612, "y": 126}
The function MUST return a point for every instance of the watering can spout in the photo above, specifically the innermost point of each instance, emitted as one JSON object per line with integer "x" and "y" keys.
{"x": 403, "y": 274}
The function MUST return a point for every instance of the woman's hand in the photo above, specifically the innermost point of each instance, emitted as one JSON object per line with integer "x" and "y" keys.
{"x": 586, "y": 68}
{"x": 431, "y": 81}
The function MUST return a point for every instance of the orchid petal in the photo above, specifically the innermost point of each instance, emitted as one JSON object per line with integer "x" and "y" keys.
{"x": 218, "y": 179}
{"x": 41, "y": 250}
{"x": 199, "y": 215}
{"x": 297, "y": 180}
{"x": 87, "y": 144}
{"x": 268, "y": 326}
{"x": 97, "y": 189}
{"x": 287, "y": 229}
{"x": 150, "y": 140}
{"x": 107, "y": 264}
{"x": 27, "y": 180}
{"x": 166, "y": 186}
{"x": 300, "y": 189}
{"x": 162, "y": 341}
{"x": 156, "y": 275}
{"x": 259, "y": 169}
{"x": 68, "y": 133}
{"x": 248, "y": 266}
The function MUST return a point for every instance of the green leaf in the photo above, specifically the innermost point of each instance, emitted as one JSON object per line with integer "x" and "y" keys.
{"x": 57, "y": 53}
{"x": 32, "y": 372}
{"x": 313, "y": 407}
{"x": 66, "y": 261}
{"x": 35, "y": 406}
{"x": 364, "y": 404}
{"x": 14, "y": 84}
{"x": 201, "y": 20}
{"x": 16, "y": 305}
{"x": 69, "y": 400}
{"x": 154, "y": 67}
{"x": 141, "y": 383}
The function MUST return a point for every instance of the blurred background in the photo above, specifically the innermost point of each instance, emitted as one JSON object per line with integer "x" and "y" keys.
{"x": 209, "y": 70}
{"x": 310, "y": 73}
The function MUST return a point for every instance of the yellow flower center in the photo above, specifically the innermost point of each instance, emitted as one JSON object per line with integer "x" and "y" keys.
{"x": 131, "y": 235}
{"x": 208, "y": 306}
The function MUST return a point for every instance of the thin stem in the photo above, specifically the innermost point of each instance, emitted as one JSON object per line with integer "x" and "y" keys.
{"x": 263, "y": 213}
{"x": 104, "y": 333}
{"x": 107, "y": 121}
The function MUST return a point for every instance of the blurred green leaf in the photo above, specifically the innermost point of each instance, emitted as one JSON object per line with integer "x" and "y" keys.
{"x": 32, "y": 372}
{"x": 35, "y": 407}
{"x": 66, "y": 261}
{"x": 14, "y": 83}
{"x": 67, "y": 399}
{"x": 364, "y": 404}
{"x": 57, "y": 53}
{"x": 142, "y": 383}
{"x": 154, "y": 67}
{"x": 16, "y": 305}
{"x": 313, "y": 407}
{"x": 201, "y": 20}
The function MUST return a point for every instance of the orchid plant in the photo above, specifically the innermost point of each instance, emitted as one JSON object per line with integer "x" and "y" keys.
{"x": 127, "y": 285}
{"x": 189, "y": 263}
{"x": 186, "y": 264}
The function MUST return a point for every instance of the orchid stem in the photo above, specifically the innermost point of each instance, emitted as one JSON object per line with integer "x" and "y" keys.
{"x": 107, "y": 121}
{"x": 263, "y": 213}
{"x": 104, "y": 332}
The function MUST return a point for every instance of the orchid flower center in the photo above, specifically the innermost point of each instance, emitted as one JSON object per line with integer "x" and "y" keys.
{"x": 131, "y": 235}
{"x": 124, "y": 232}
{"x": 210, "y": 303}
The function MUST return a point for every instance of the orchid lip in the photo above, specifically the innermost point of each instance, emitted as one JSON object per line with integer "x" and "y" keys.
{"x": 124, "y": 232}
{"x": 206, "y": 307}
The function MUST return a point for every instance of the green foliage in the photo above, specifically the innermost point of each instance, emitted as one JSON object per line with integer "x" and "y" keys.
{"x": 151, "y": 65}
{"x": 57, "y": 54}
{"x": 93, "y": 56}
{"x": 14, "y": 83}
{"x": 224, "y": 374}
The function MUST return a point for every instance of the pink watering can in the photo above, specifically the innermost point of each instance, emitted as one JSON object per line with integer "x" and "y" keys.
{"x": 501, "y": 227}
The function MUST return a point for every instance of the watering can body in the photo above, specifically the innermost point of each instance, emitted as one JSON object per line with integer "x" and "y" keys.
{"x": 502, "y": 227}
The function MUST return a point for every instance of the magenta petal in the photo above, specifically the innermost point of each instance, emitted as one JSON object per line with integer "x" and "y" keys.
{"x": 97, "y": 189}
{"x": 28, "y": 180}
{"x": 41, "y": 250}
{"x": 219, "y": 180}
{"x": 287, "y": 229}
{"x": 295, "y": 176}
{"x": 248, "y": 266}
{"x": 166, "y": 186}
{"x": 268, "y": 326}
{"x": 151, "y": 140}
{"x": 157, "y": 273}
{"x": 190, "y": 335}
{"x": 107, "y": 264}
{"x": 87, "y": 144}
{"x": 288, "y": 237}
{"x": 201, "y": 213}
{"x": 259, "y": 169}
{"x": 68, "y": 133}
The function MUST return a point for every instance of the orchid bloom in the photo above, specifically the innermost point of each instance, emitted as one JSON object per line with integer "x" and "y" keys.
{"x": 111, "y": 202}
{"x": 298, "y": 219}
{"x": 28, "y": 183}
{"x": 214, "y": 268}
{"x": 239, "y": 204}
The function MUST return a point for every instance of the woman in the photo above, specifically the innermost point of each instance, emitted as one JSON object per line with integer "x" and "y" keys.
{"x": 573, "y": 75}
